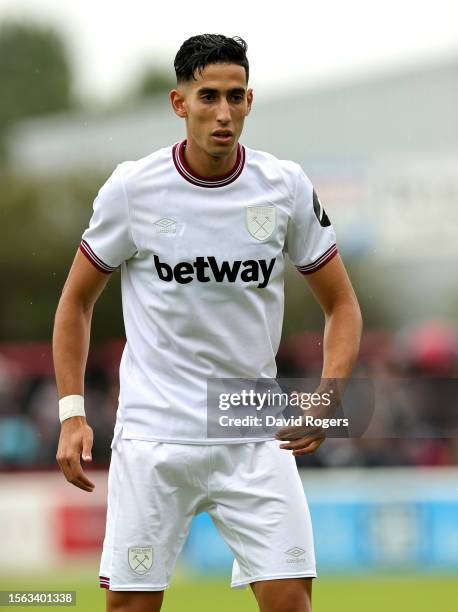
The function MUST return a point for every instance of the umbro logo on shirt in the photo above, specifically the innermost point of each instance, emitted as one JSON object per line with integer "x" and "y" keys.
{"x": 184, "y": 272}
{"x": 165, "y": 226}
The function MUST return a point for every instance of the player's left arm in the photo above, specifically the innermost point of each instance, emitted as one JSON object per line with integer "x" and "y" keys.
{"x": 333, "y": 291}
{"x": 343, "y": 322}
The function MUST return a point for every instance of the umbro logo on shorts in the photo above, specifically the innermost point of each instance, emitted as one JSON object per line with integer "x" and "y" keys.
{"x": 184, "y": 272}
{"x": 295, "y": 551}
{"x": 295, "y": 555}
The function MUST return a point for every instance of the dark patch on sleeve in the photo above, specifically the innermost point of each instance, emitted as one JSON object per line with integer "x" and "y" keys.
{"x": 320, "y": 212}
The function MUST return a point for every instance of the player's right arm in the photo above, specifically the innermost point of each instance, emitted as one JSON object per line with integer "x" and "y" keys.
{"x": 105, "y": 245}
{"x": 72, "y": 325}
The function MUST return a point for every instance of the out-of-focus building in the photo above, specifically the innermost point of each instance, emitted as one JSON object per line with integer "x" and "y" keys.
{"x": 410, "y": 112}
{"x": 382, "y": 152}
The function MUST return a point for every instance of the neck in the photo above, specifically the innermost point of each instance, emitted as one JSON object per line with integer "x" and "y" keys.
{"x": 203, "y": 164}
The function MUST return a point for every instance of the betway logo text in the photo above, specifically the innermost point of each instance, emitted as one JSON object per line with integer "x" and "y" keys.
{"x": 185, "y": 272}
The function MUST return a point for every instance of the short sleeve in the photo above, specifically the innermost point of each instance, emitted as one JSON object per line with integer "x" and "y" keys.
{"x": 310, "y": 239}
{"x": 107, "y": 242}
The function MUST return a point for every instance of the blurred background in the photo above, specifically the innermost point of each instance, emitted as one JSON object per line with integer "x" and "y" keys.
{"x": 365, "y": 97}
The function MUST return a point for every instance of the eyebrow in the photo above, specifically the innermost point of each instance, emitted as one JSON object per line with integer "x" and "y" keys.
{"x": 210, "y": 90}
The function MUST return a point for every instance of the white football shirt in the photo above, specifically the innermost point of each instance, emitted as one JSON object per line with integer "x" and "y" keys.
{"x": 202, "y": 267}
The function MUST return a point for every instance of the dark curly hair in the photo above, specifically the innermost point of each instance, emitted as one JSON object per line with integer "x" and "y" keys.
{"x": 199, "y": 51}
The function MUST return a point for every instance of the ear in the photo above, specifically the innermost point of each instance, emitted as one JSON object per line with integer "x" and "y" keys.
{"x": 178, "y": 103}
{"x": 249, "y": 98}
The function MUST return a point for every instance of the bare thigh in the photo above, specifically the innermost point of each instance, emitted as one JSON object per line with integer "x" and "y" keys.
{"x": 284, "y": 595}
{"x": 134, "y": 601}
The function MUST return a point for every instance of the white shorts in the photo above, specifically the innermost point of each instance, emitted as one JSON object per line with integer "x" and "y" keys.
{"x": 252, "y": 492}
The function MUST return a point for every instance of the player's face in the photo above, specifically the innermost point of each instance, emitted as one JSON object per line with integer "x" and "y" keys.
{"x": 215, "y": 107}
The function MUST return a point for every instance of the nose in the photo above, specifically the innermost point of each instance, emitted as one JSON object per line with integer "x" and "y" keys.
{"x": 223, "y": 114}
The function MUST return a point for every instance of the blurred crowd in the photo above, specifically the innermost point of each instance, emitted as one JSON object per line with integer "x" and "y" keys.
{"x": 413, "y": 420}
{"x": 29, "y": 423}
{"x": 399, "y": 434}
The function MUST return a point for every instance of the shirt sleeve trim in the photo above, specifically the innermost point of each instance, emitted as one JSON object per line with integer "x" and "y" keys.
{"x": 320, "y": 262}
{"x": 96, "y": 261}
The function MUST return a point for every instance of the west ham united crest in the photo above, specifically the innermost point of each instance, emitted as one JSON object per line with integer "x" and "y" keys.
{"x": 140, "y": 559}
{"x": 261, "y": 221}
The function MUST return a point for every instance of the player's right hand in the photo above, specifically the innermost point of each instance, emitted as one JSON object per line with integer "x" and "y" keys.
{"x": 75, "y": 442}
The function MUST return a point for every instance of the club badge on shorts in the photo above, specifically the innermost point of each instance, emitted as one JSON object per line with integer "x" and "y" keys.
{"x": 260, "y": 221}
{"x": 140, "y": 559}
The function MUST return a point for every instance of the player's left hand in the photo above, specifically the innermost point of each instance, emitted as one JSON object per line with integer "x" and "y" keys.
{"x": 307, "y": 438}
{"x": 301, "y": 439}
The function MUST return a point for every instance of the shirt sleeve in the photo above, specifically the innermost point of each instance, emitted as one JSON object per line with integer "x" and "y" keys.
{"x": 310, "y": 239}
{"x": 107, "y": 242}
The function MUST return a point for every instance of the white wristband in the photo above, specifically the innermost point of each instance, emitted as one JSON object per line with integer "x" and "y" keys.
{"x": 70, "y": 406}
